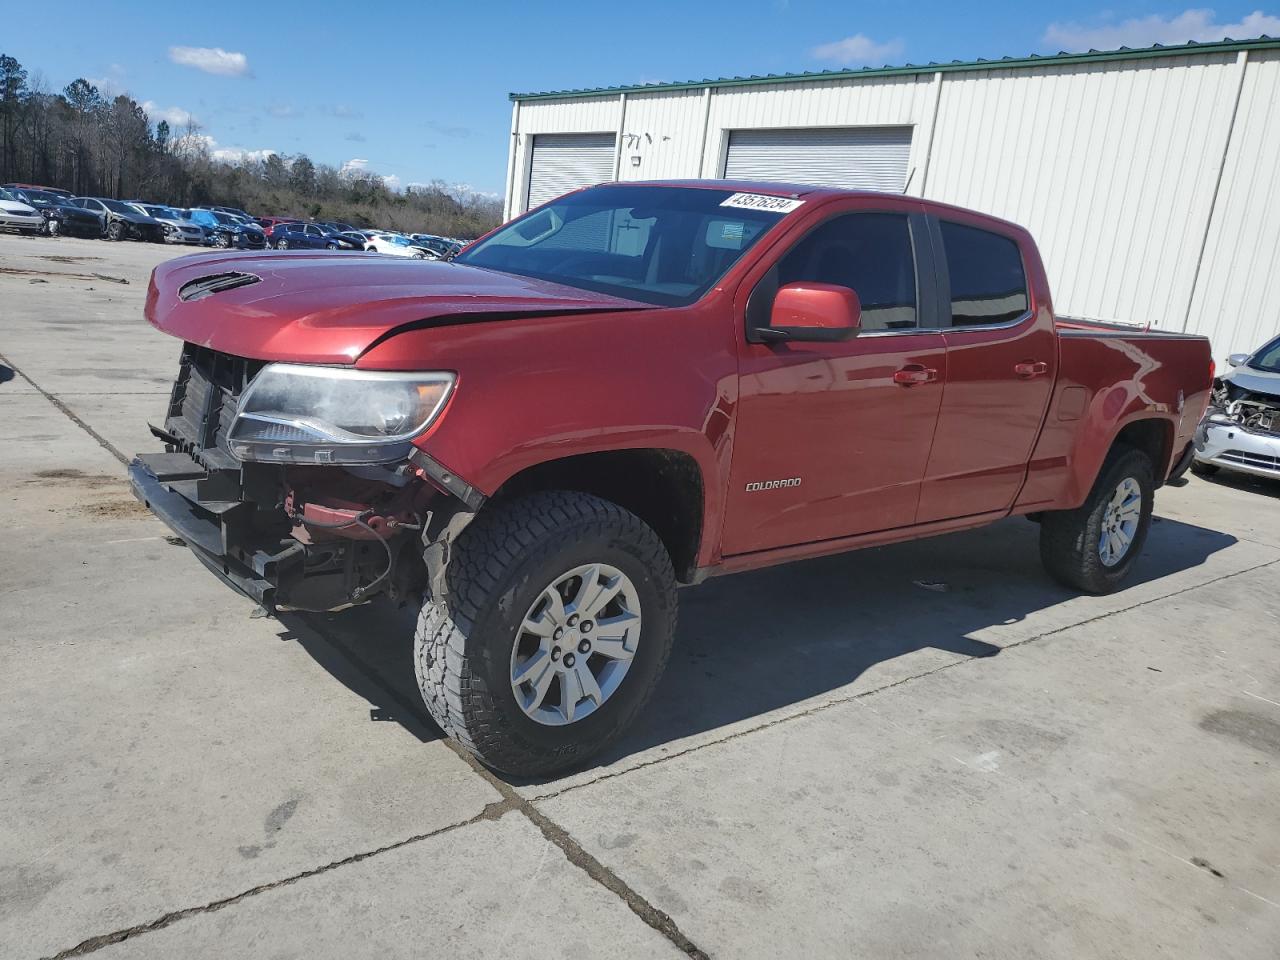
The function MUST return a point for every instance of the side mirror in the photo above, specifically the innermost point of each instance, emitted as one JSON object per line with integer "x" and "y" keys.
{"x": 1238, "y": 359}
{"x": 817, "y": 312}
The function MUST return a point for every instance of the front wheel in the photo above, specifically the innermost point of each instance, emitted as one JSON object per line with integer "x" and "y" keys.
{"x": 551, "y": 634}
{"x": 224, "y": 240}
{"x": 1202, "y": 469}
{"x": 52, "y": 227}
{"x": 1093, "y": 547}
{"x": 115, "y": 231}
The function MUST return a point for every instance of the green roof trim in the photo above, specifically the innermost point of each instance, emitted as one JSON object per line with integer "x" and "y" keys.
{"x": 955, "y": 66}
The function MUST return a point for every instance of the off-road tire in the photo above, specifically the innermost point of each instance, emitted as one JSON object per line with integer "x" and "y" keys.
{"x": 1069, "y": 538}
{"x": 1203, "y": 469}
{"x": 499, "y": 565}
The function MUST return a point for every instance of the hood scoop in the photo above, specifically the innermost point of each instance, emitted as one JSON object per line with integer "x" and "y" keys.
{"x": 215, "y": 283}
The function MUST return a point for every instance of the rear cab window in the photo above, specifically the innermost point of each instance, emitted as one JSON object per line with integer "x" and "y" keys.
{"x": 988, "y": 282}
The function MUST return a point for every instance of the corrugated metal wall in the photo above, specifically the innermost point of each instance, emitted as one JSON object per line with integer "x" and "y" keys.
{"x": 1111, "y": 166}
{"x": 1121, "y": 169}
{"x": 1237, "y": 296}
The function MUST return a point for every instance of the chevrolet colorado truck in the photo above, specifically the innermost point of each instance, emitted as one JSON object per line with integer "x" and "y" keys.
{"x": 630, "y": 388}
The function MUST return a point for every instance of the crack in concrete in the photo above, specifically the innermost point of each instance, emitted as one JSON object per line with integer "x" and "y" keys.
{"x": 553, "y": 832}
{"x": 68, "y": 413}
{"x": 491, "y": 811}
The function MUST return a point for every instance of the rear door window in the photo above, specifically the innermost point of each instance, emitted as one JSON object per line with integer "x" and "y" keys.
{"x": 988, "y": 285}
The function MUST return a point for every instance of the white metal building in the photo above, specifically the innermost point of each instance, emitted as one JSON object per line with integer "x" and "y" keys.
{"x": 1150, "y": 178}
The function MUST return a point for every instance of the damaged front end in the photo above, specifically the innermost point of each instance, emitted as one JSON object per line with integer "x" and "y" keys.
{"x": 1241, "y": 429}
{"x": 300, "y": 513}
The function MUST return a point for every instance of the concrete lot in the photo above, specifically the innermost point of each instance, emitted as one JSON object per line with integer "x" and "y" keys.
{"x": 839, "y": 762}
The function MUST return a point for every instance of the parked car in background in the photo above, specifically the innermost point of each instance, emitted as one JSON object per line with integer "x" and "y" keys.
{"x": 442, "y": 247}
{"x": 336, "y": 225}
{"x": 1241, "y": 429}
{"x": 58, "y": 214}
{"x": 397, "y": 245}
{"x": 234, "y": 211}
{"x": 311, "y": 236}
{"x": 268, "y": 224}
{"x": 121, "y": 221}
{"x": 16, "y": 215}
{"x": 177, "y": 228}
{"x": 56, "y": 191}
{"x": 187, "y": 213}
{"x": 229, "y": 231}
{"x": 357, "y": 239}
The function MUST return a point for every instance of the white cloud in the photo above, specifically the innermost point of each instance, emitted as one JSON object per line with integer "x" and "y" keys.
{"x": 240, "y": 154}
{"x": 355, "y": 166}
{"x": 211, "y": 60}
{"x": 391, "y": 182}
{"x": 857, "y": 51}
{"x": 1194, "y": 24}
{"x": 176, "y": 117}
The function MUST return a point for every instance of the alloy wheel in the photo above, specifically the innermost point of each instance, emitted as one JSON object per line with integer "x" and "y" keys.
{"x": 576, "y": 644}
{"x": 1120, "y": 522}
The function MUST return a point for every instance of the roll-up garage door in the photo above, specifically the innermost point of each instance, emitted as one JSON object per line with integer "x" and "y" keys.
{"x": 859, "y": 158}
{"x": 567, "y": 161}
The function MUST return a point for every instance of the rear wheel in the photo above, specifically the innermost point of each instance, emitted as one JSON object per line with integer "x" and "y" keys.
{"x": 1093, "y": 547}
{"x": 282, "y": 244}
{"x": 552, "y": 633}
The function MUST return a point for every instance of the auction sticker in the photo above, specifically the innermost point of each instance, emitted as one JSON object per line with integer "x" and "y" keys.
{"x": 760, "y": 201}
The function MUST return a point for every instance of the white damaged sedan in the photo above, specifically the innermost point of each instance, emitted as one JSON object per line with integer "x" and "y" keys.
{"x": 1241, "y": 429}
{"x": 398, "y": 245}
{"x": 16, "y": 215}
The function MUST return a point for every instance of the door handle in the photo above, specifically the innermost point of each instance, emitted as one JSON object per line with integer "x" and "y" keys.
{"x": 1031, "y": 368}
{"x": 914, "y": 373}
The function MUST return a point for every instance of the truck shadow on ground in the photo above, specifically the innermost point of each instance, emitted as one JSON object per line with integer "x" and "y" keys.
{"x": 756, "y": 642}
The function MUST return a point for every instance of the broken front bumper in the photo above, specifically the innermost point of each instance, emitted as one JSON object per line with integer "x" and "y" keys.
{"x": 1235, "y": 448}
{"x": 220, "y": 532}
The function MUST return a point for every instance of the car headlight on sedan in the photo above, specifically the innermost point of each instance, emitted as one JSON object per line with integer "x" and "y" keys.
{"x": 293, "y": 413}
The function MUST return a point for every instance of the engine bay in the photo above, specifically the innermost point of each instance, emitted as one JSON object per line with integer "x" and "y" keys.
{"x": 1258, "y": 412}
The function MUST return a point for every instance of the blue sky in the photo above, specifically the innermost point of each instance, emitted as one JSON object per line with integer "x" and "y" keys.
{"x": 419, "y": 91}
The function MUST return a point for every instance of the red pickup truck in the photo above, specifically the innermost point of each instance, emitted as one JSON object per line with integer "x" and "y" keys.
{"x": 630, "y": 388}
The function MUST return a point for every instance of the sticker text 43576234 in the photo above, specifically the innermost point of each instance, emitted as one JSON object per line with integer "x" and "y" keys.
{"x": 761, "y": 201}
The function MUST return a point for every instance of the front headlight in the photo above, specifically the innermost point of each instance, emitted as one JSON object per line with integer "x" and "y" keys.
{"x": 310, "y": 414}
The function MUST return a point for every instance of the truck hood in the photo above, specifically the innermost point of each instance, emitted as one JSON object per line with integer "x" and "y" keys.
{"x": 331, "y": 307}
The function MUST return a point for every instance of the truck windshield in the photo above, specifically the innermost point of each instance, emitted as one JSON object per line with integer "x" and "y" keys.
{"x": 660, "y": 245}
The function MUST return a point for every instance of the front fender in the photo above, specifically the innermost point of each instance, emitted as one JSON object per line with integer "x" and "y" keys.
{"x": 536, "y": 389}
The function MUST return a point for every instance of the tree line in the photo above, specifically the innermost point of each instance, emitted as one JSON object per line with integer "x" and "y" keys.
{"x": 93, "y": 144}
